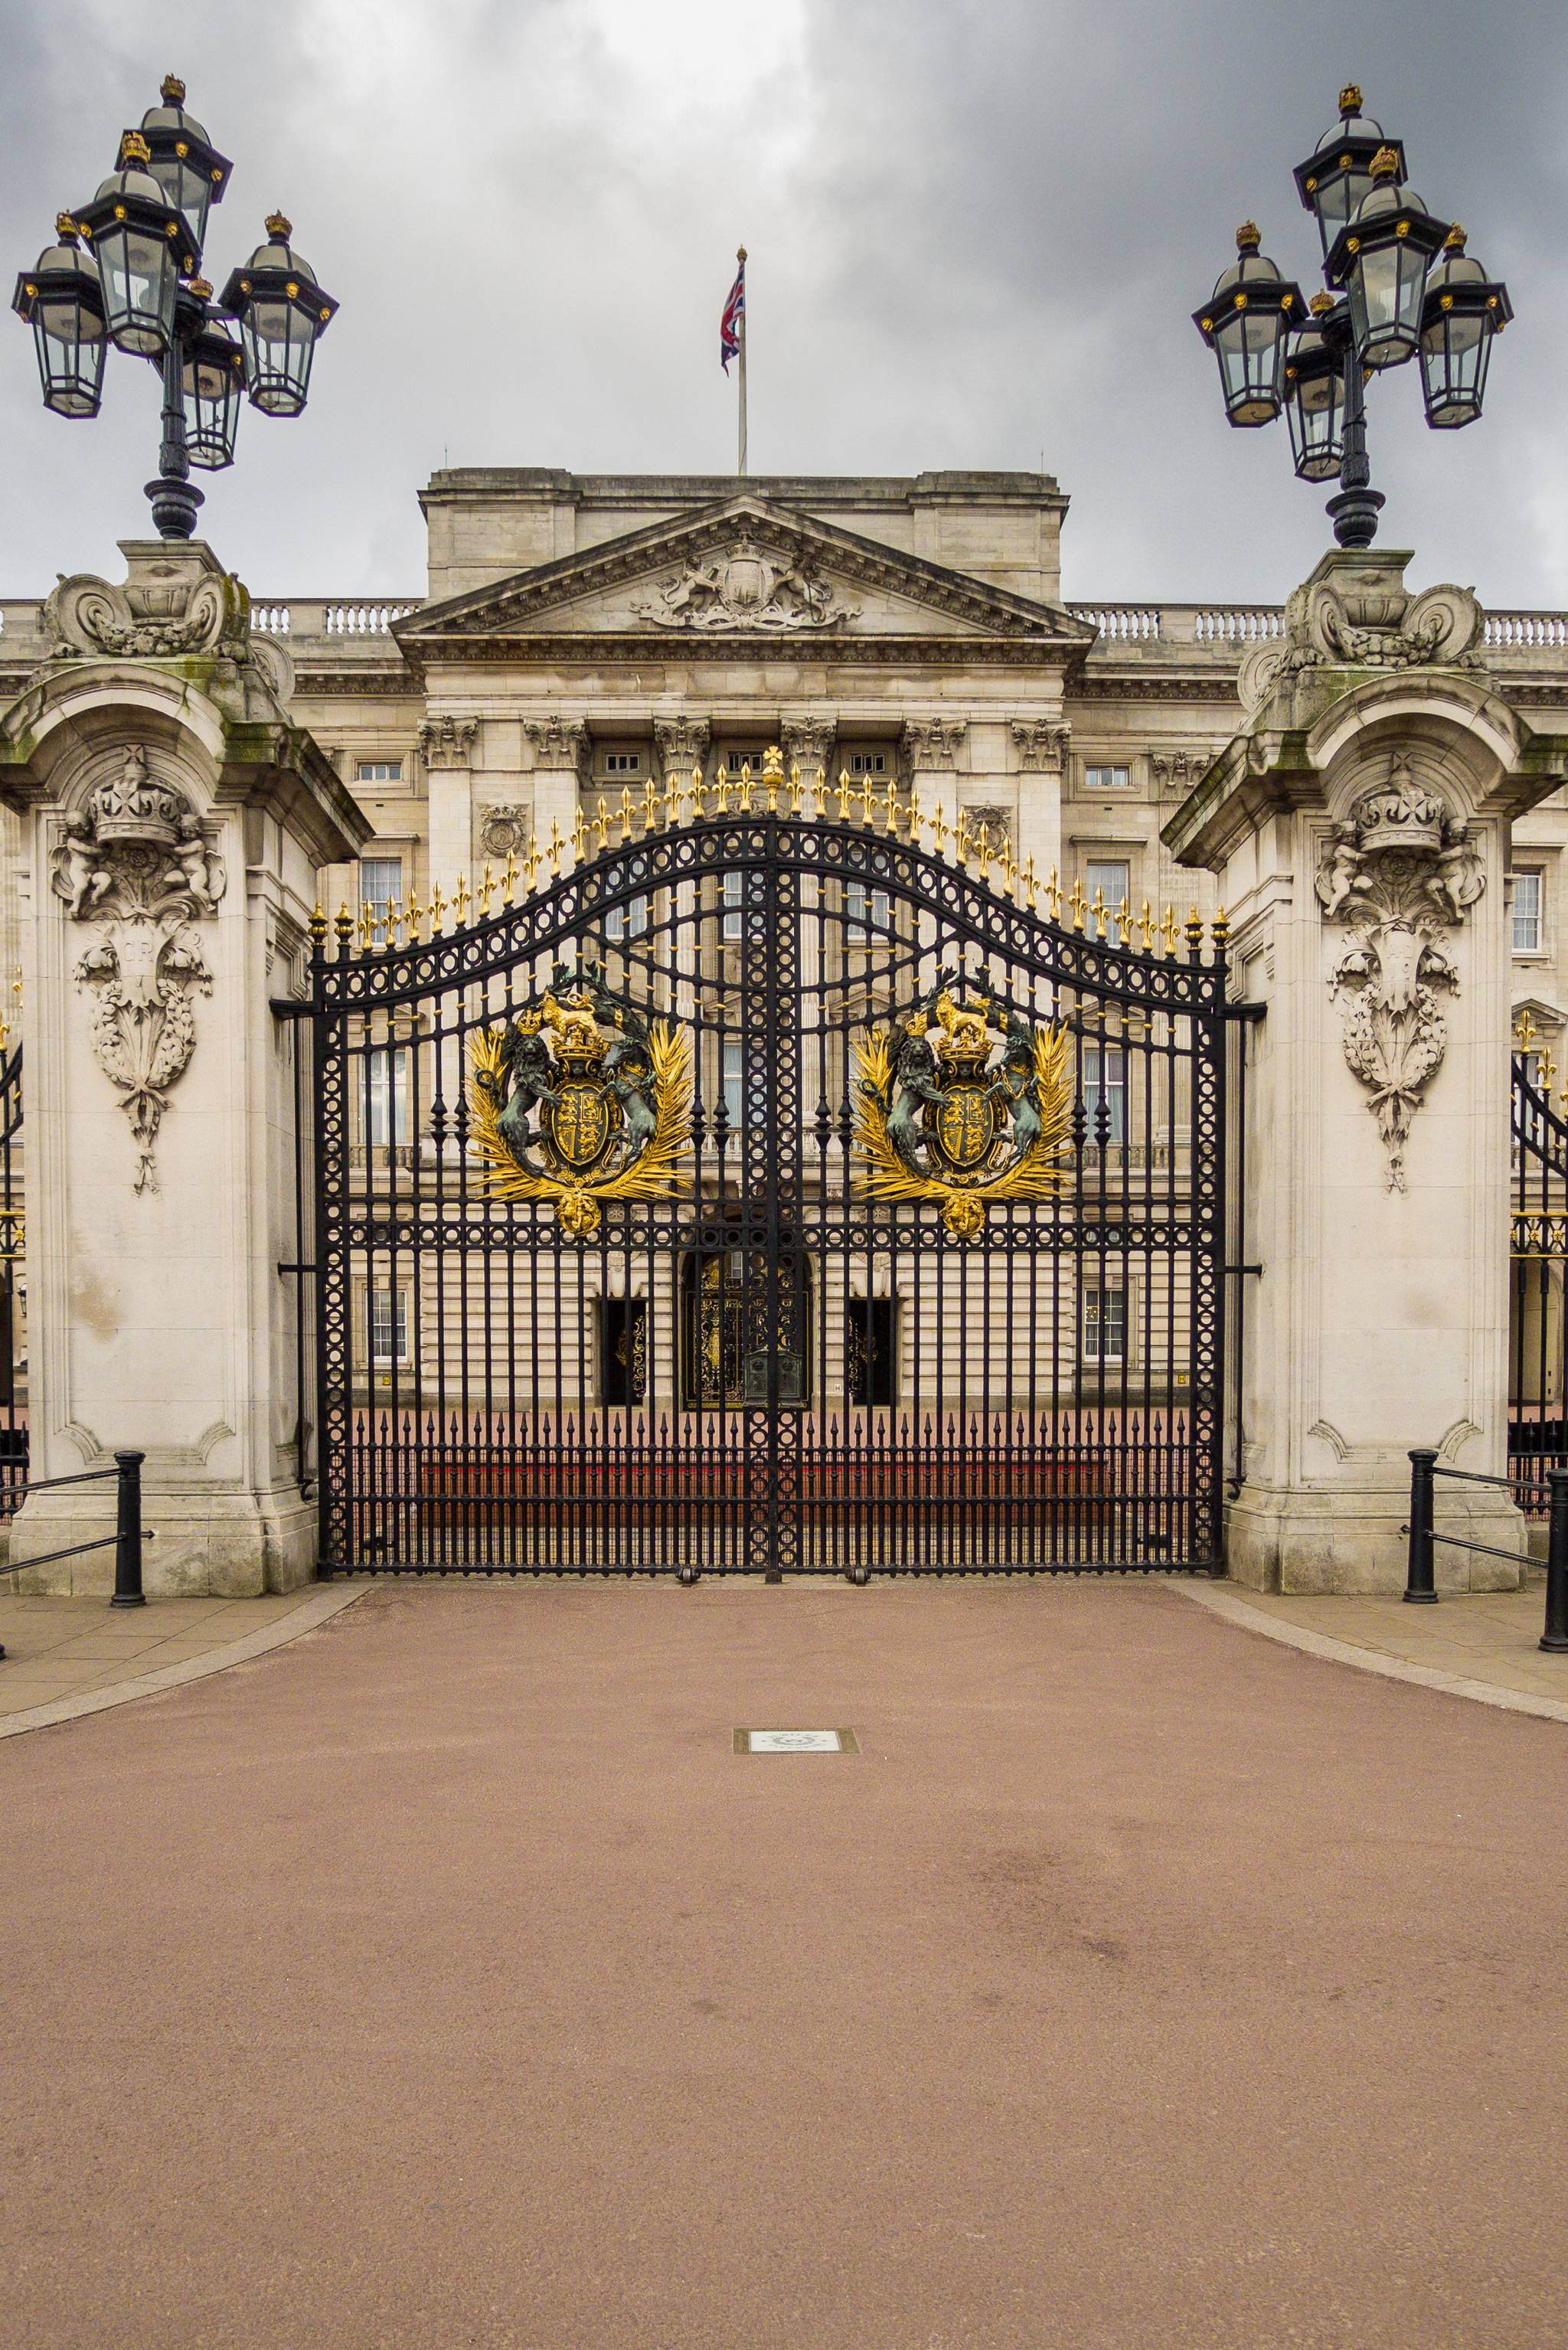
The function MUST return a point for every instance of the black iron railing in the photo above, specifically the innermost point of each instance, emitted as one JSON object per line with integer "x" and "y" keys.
{"x": 126, "y": 1537}
{"x": 1420, "y": 1585}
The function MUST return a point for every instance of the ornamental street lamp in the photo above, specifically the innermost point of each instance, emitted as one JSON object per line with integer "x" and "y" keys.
{"x": 1403, "y": 285}
{"x": 125, "y": 271}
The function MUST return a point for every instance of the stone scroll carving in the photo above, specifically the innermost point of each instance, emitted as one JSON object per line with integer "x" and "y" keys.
{"x": 746, "y": 589}
{"x": 164, "y": 608}
{"x": 137, "y": 865}
{"x": 1399, "y": 872}
{"x": 1360, "y": 615}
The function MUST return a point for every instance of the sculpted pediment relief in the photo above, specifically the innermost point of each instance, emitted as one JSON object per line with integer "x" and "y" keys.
{"x": 746, "y": 568}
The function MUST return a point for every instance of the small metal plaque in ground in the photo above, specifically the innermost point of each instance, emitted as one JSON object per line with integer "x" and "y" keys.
{"x": 797, "y": 1742}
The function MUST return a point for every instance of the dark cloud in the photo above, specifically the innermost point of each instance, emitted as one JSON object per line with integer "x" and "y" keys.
{"x": 976, "y": 232}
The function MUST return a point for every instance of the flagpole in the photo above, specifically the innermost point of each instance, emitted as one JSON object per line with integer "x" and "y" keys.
{"x": 741, "y": 257}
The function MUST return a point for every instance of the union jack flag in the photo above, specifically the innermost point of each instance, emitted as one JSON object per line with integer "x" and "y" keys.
{"x": 733, "y": 320}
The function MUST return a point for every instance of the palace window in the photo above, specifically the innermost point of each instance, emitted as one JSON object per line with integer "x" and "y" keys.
{"x": 1527, "y": 895}
{"x": 733, "y": 1081}
{"x": 1105, "y": 1324}
{"x": 1107, "y": 779}
{"x": 1109, "y": 875}
{"x": 378, "y": 771}
{"x": 862, "y": 905}
{"x": 388, "y": 1316}
{"x": 386, "y": 1096}
{"x": 871, "y": 1350}
{"x": 869, "y": 762}
{"x": 742, "y": 756}
{"x": 621, "y": 763}
{"x": 733, "y": 899}
{"x": 381, "y": 888}
{"x": 1104, "y": 1092}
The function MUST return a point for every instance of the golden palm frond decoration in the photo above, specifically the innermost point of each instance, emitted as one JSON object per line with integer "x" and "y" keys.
{"x": 1034, "y": 1174}
{"x": 576, "y": 1199}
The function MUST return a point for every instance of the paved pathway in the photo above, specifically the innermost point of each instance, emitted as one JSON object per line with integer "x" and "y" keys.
{"x": 446, "y": 1980}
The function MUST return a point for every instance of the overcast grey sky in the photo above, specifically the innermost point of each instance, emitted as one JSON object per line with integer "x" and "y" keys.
{"x": 976, "y": 235}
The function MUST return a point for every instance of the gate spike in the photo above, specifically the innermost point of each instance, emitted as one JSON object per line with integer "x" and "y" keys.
{"x": 601, "y": 825}
{"x": 1169, "y": 931}
{"x": 743, "y": 801}
{"x": 438, "y": 910}
{"x": 819, "y": 793}
{"x": 557, "y": 842}
{"x": 845, "y": 794}
{"x": 460, "y": 898}
{"x": 796, "y": 788}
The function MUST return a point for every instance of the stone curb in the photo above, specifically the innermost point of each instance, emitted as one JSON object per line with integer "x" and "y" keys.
{"x": 329, "y": 1601}
{"x": 1366, "y": 1660}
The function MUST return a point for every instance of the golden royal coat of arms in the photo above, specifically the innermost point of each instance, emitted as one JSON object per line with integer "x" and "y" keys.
{"x": 578, "y": 1100}
{"x": 942, "y": 1114}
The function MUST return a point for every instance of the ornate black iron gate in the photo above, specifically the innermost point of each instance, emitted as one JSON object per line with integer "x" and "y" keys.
{"x": 1538, "y": 1329}
{"x": 770, "y": 1193}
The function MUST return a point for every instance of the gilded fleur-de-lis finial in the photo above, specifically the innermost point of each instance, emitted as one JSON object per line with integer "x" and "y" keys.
{"x": 367, "y": 928}
{"x": 486, "y": 891}
{"x": 438, "y": 910}
{"x": 650, "y": 805}
{"x": 845, "y": 794}
{"x": 819, "y": 793}
{"x": 1054, "y": 896}
{"x": 1098, "y": 912}
{"x": 1146, "y": 927}
{"x": 532, "y": 863}
{"x": 1169, "y": 933}
{"x": 940, "y": 828}
{"x": 796, "y": 787}
{"x": 509, "y": 874}
{"x": 557, "y": 842}
{"x": 602, "y": 823}
{"x": 459, "y": 900}
{"x": 416, "y": 916}
{"x": 1031, "y": 886}
{"x": 625, "y": 814}
{"x": 581, "y": 838}
{"x": 1525, "y": 1032}
{"x": 1080, "y": 905}
{"x": 917, "y": 813}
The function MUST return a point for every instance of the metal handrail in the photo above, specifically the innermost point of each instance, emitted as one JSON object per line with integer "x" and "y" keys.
{"x": 1420, "y": 1587}
{"x": 126, "y": 1537}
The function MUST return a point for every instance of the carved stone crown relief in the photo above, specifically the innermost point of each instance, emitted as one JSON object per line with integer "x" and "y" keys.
{"x": 745, "y": 589}
{"x": 1398, "y": 873}
{"x": 506, "y": 828}
{"x": 137, "y": 865}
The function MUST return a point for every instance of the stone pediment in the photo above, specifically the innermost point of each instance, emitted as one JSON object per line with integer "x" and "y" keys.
{"x": 743, "y": 569}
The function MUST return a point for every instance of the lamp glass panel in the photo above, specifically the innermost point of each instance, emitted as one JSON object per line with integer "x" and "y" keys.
{"x": 279, "y": 341}
{"x": 1455, "y": 351}
{"x": 137, "y": 271}
{"x": 1248, "y": 347}
{"x": 1316, "y": 409}
{"x": 188, "y": 188}
{"x": 70, "y": 344}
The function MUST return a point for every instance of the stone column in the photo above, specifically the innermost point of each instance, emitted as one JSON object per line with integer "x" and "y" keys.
{"x": 174, "y": 824}
{"x": 1041, "y": 747}
{"x": 1359, "y": 823}
{"x": 560, "y": 747}
{"x": 447, "y": 746}
{"x": 808, "y": 744}
{"x": 682, "y": 744}
{"x": 931, "y": 747}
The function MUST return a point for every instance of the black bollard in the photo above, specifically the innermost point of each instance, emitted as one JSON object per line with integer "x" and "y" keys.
{"x": 127, "y": 1591}
{"x": 1420, "y": 1586}
{"x": 1556, "y": 1633}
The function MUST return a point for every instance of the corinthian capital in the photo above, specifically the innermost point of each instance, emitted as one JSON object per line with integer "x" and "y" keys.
{"x": 447, "y": 741}
{"x": 807, "y": 742}
{"x": 683, "y": 742}
{"x": 1042, "y": 745}
{"x": 933, "y": 742}
{"x": 560, "y": 745}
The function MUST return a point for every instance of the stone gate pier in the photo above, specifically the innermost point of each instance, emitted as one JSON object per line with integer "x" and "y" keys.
{"x": 174, "y": 821}
{"x": 1359, "y": 823}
